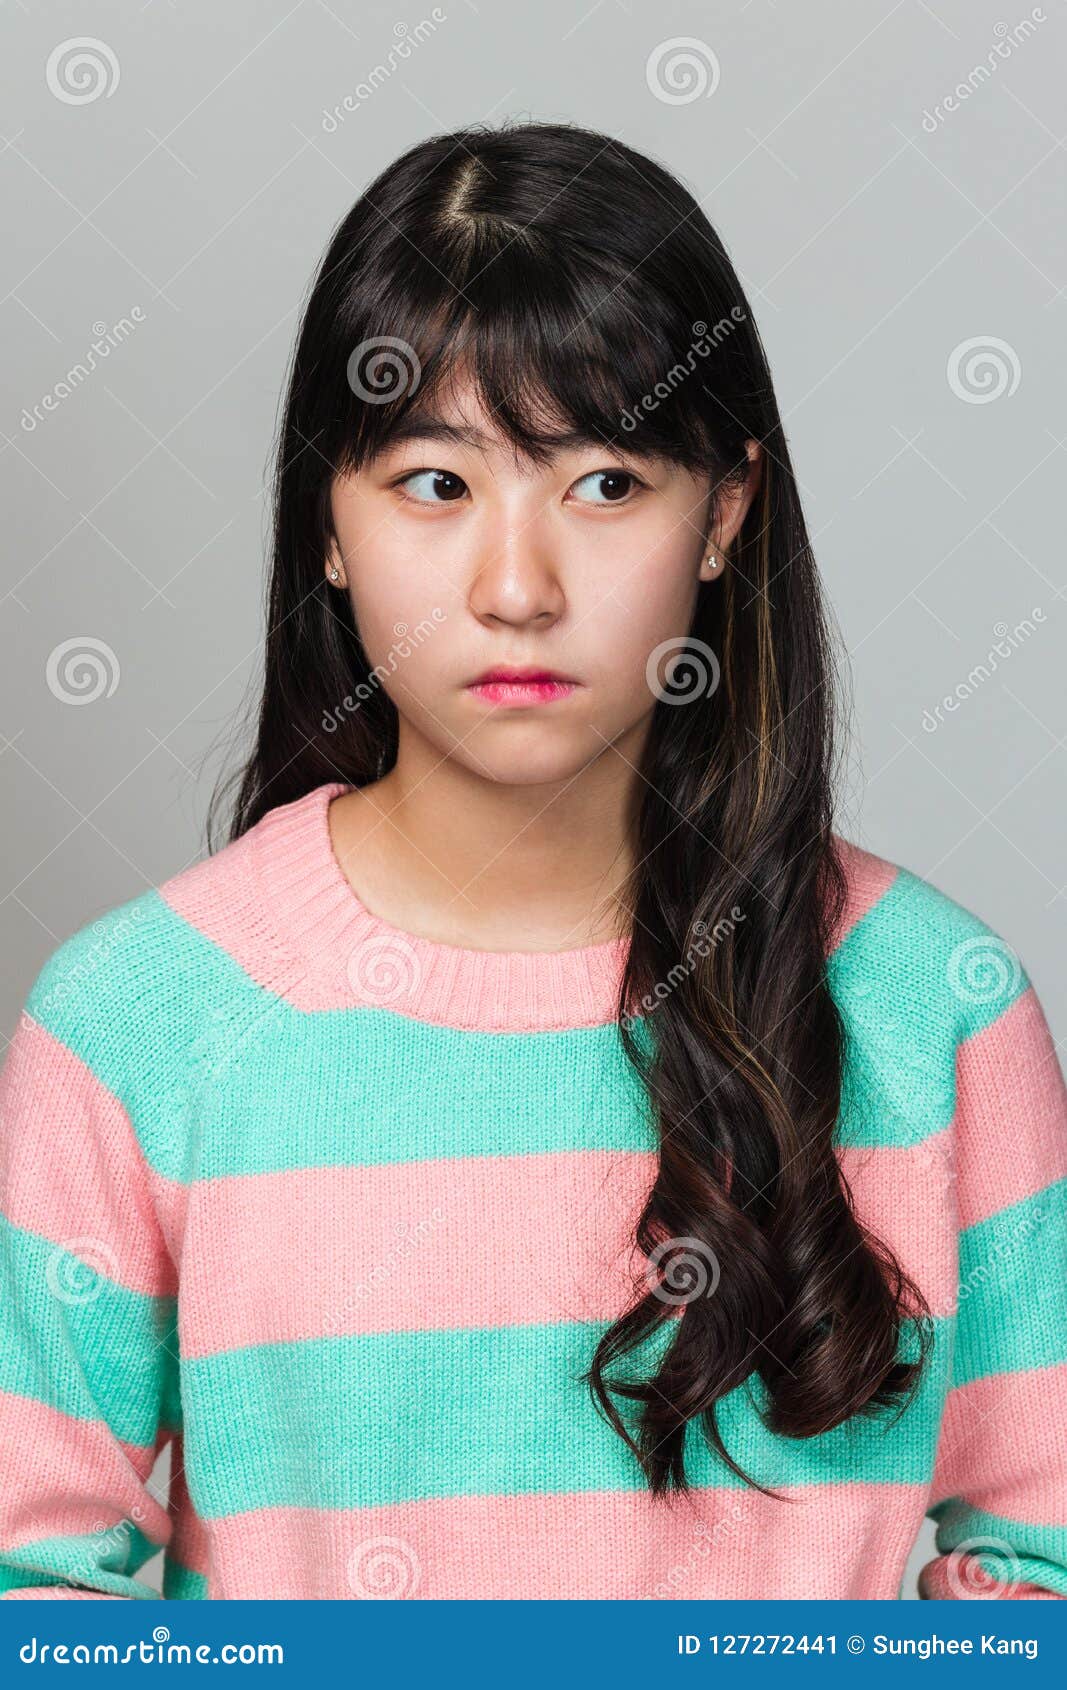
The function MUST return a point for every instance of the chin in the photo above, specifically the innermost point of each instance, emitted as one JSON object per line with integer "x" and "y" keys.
{"x": 524, "y": 762}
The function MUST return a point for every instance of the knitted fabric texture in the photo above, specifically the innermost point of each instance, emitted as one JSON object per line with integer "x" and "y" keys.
{"x": 339, "y": 1213}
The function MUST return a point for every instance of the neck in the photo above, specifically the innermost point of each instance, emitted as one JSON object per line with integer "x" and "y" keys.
{"x": 470, "y": 861}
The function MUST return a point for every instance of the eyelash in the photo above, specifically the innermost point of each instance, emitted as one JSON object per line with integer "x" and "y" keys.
{"x": 433, "y": 469}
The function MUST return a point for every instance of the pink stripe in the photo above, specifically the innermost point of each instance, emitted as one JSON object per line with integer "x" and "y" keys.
{"x": 1011, "y": 1110}
{"x": 464, "y": 1241}
{"x": 73, "y": 1171}
{"x": 899, "y": 1194}
{"x": 823, "y": 1541}
{"x": 868, "y": 876}
{"x": 212, "y": 895}
{"x": 471, "y": 1241}
{"x": 1002, "y": 1446}
{"x": 72, "y": 1478}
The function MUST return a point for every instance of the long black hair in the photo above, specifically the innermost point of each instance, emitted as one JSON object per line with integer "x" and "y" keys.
{"x": 579, "y": 280}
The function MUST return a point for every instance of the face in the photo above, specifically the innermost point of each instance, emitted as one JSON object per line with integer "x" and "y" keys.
{"x": 458, "y": 559}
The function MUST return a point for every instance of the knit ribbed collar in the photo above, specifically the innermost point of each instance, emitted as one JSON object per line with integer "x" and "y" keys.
{"x": 355, "y": 957}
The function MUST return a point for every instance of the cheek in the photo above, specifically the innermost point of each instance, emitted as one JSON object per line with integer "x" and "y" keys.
{"x": 393, "y": 593}
{"x": 637, "y": 606}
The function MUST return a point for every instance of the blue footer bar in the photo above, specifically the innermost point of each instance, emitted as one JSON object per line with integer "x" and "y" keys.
{"x": 595, "y": 1645}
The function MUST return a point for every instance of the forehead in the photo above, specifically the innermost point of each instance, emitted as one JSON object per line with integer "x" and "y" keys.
{"x": 454, "y": 413}
{"x": 459, "y": 418}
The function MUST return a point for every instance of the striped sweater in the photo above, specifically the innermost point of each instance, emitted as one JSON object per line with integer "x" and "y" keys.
{"x": 339, "y": 1212}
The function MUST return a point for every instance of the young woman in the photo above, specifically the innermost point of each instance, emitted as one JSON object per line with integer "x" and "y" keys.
{"x": 535, "y": 1155}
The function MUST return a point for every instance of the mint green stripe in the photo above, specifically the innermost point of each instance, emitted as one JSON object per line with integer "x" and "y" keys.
{"x": 170, "y": 1406}
{"x": 141, "y": 980}
{"x": 956, "y": 952}
{"x": 101, "y": 1358}
{"x": 103, "y": 1561}
{"x": 411, "y": 1091}
{"x": 1013, "y": 1288}
{"x": 181, "y": 1584}
{"x": 241, "y": 1089}
{"x": 247, "y": 1089}
{"x": 332, "y": 1423}
{"x": 915, "y": 975}
{"x": 1034, "y": 1554}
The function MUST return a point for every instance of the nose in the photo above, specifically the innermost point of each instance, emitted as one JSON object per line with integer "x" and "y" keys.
{"x": 516, "y": 581}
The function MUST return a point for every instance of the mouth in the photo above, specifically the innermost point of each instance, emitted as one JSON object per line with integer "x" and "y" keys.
{"x": 521, "y": 686}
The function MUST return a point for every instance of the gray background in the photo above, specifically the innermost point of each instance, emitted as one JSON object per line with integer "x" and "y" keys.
{"x": 198, "y": 193}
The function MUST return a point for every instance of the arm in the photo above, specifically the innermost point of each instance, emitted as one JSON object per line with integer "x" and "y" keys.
{"x": 88, "y": 1375}
{"x": 999, "y": 1495}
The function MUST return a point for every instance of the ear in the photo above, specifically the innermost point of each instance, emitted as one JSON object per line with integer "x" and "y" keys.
{"x": 734, "y": 504}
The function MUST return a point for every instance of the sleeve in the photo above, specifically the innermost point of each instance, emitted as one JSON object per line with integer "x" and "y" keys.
{"x": 999, "y": 1495}
{"x": 88, "y": 1354}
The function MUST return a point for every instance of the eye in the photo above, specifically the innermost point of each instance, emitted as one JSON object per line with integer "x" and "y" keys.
{"x": 615, "y": 484}
{"x": 439, "y": 486}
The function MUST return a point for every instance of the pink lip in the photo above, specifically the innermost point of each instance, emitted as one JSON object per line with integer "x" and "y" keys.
{"x": 524, "y": 691}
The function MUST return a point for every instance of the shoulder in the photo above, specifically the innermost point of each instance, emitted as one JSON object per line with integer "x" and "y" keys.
{"x": 110, "y": 960}
{"x": 145, "y": 995}
{"x": 922, "y": 982}
{"x": 206, "y": 938}
{"x": 904, "y": 940}
{"x": 142, "y": 957}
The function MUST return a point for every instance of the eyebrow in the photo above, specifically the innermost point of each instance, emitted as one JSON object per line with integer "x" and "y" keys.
{"x": 425, "y": 426}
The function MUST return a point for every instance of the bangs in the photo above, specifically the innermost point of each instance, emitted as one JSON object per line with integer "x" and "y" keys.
{"x": 559, "y": 351}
